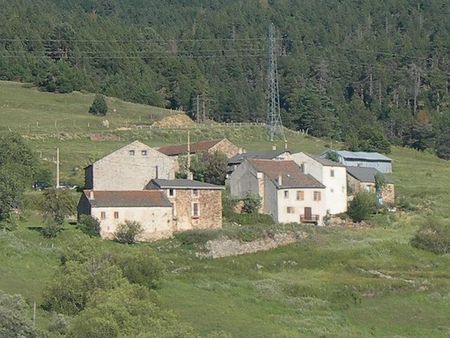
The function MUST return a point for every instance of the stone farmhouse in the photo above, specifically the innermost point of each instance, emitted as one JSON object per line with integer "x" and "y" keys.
{"x": 211, "y": 146}
{"x": 364, "y": 159}
{"x": 136, "y": 183}
{"x": 195, "y": 205}
{"x": 129, "y": 168}
{"x": 236, "y": 160}
{"x": 363, "y": 179}
{"x": 287, "y": 194}
{"x": 331, "y": 174}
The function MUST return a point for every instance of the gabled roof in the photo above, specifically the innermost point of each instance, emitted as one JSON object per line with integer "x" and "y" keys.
{"x": 367, "y": 175}
{"x": 128, "y": 199}
{"x": 181, "y": 184}
{"x": 291, "y": 174}
{"x": 324, "y": 161}
{"x": 261, "y": 155}
{"x": 183, "y": 148}
{"x": 363, "y": 156}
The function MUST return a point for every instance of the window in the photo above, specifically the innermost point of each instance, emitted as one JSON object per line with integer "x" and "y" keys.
{"x": 290, "y": 210}
{"x": 332, "y": 190}
{"x": 317, "y": 196}
{"x": 103, "y": 215}
{"x": 300, "y": 195}
{"x": 144, "y": 152}
{"x": 131, "y": 152}
{"x": 195, "y": 193}
{"x": 171, "y": 192}
{"x": 286, "y": 194}
{"x": 116, "y": 214}
{"x": 332, "y": 172}
{"x": 195, "y": 210}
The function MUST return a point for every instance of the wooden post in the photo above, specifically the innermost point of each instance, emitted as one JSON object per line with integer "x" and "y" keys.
{"x": 34, "y": 314}
{"x": 57, "y": 168}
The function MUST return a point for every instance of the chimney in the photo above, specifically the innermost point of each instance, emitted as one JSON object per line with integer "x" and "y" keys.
{"x": 274, "y": 147}
{"x": 285, "y": 146}
{"x": 190, "y": 176}
{"x": 91, "y": 194}
{"x": 280, "y": 180}
{"x": 304, "y": 168}
{"x": 156, "y": 172}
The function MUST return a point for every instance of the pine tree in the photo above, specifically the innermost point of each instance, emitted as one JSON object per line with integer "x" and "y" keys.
{"x": 99, "y": 106}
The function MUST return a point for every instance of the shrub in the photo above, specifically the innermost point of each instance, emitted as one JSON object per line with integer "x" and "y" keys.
{"x": 142, "y": 267}
{"x": 14, "y": 320}
{"x": 434, "y": 237}
{"x": 252, "y": 203}
{"x": 362, "y": 206}
{"x": 89, "y": 225}
{"x": 128, "y": 232}
{"x": 51, "y": 230}
{"x": 99, "y": 106}
{"x": 57, "y": 204}
{"x": 196, "y": 237}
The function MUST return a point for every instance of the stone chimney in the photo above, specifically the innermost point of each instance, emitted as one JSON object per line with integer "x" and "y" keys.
{"x": 305, "y": 168}
{"x": 280, "y": 180}
{"x": 274, "y": 147}
{"x": 91, "y": 194}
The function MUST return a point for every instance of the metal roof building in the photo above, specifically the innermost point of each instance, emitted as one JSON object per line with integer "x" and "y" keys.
{"x": 364, "y": 159}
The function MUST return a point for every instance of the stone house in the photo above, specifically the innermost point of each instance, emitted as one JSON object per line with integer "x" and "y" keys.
{"x": 236, "y": 160}
{"x": 363, "y": 159}
{"x": 152, "y": 209}
{"x": 196, "y": 205}
{"x": 211, "y": 146}
{"x": 331, "y": 174}
{"x": 129, "y": 168}
{"x": 363, "y": 179}
{"x": 287, "y": 194}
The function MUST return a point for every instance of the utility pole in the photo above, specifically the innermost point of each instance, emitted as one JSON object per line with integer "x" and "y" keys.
{"x": 189, "y": 174}
{"x": 57, "y": 168}
{"x": 274, "y": 124}
{"x": 198, "y": 109}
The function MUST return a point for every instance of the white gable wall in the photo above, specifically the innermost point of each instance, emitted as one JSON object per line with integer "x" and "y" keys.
{"x": 336, "y": 187}
{"x": 317, "y": 207}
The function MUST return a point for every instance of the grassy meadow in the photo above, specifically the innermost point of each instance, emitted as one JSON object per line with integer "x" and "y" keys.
{"x": 336, "y": 283}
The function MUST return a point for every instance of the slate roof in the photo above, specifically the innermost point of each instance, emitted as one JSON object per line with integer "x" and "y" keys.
{"x": 266, "y": 155}
{"x": 291, "y": 174}
{"x": 326, "y": 162}
{"x": 363, "y": 156}
{"x": 197, "y": 147}
{"x": 128, "y": 199}
{"x": 366, "y": 175}
{"x": 181, "y": 184}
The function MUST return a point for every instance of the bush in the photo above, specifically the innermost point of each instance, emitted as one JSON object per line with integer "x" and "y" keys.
{"x": 434, "y": 237}
{"x": 14, "y": 320}
{"x": 142, "y": 267}
{"x": 196, "y": 237}
{"x": 362, "y": 206}
{"x": 57, "y": 204}
{"x": 128, "y": 232}
{"x": 99, "y": 106}
{"x": 89, "y": 225}
{"x": 252, "y": 203}
{"x": 51, "y": 230}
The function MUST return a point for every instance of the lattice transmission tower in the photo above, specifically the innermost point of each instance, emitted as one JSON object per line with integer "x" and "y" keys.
{"x": 274, "y": 123}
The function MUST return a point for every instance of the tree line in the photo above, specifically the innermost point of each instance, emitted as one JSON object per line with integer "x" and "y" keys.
{"x": 344, "y": 66}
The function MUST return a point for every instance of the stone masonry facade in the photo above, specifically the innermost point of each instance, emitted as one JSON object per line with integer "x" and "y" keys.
{"x": 209, "y": 207}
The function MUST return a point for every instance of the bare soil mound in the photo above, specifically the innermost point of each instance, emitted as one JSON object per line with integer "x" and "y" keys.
{"x": 175, "y": 121}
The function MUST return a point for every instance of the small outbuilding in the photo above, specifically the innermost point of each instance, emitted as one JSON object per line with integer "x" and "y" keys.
{"x": 364, "y": 179}
{"x": 363, "y": 159}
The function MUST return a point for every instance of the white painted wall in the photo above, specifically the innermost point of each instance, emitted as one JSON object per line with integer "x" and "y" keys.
{"x": 317, "y": 207}
{"x": 336, "y": 187}
{"x": 156, "y": 221}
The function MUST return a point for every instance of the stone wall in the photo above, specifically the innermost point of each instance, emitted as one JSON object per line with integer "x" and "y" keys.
{"x": 225, "y": 247}
{"x": 226, "y": 147}
{"x": 210, "y": 209}
{"x": 131, "y": 168}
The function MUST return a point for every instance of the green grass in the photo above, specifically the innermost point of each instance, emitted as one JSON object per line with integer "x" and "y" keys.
{"x": 324, "y": 286}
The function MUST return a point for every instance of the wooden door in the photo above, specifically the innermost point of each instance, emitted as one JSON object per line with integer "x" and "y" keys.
{"x": 308, "y": 214}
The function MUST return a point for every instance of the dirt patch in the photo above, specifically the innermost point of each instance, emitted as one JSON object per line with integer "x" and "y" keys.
{"x": 175, "y": 121}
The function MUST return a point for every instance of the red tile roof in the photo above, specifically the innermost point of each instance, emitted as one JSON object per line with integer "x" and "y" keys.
{"x": 291, "y": 174}
{"x": 146, "y": 198}
{"x": 183, "y": 148}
